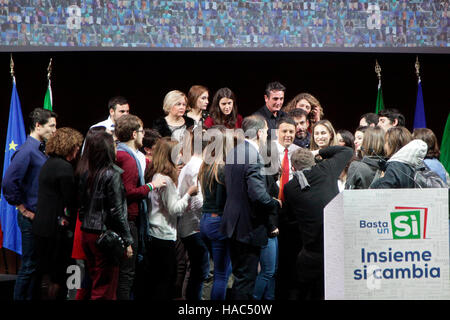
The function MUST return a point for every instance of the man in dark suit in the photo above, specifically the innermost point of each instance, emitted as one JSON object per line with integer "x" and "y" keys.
{"x": 244, "y": 221}
{"x": 306, "y": 194}
{"x": 271, "y": 111}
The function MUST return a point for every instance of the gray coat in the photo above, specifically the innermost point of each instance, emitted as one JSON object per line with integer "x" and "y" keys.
{"x": 361, "y": 173}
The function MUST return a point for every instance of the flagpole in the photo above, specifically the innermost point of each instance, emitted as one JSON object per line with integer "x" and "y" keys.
{"x": 11, "y": 67}
{"x": 378, "y": 72}
{"x": 417, "y": 65}
{"x": 49, "y": 70}
{"x": 380, "y": 103}
{"x": 48, "y": 99}
{"x": 419, "y": 114}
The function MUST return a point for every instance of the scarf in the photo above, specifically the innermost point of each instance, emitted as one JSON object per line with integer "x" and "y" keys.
{"x": 144, "y": 228}
{"x": 302, "y": 181}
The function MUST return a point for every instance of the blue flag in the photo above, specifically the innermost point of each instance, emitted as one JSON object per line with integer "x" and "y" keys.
{"x": 419, "y": 116}
{"x": 16, "y": 136}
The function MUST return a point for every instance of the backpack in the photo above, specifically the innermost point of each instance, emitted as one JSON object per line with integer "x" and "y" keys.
{"x": 424, "y": 177}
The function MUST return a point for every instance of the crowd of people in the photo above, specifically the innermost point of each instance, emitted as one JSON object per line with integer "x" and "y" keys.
{"x": 216, "y": 24}
{"x": 207, "y": 204}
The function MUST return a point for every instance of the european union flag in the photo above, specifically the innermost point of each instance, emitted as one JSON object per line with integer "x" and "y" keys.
{"x": 419, "y": 115}
{"x": 15, "y": 137}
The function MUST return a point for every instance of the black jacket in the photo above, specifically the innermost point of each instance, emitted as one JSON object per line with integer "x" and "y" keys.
{"x": 362, "y": 173}
{"x": 397, "y": 175}
{"x": 245, "y": 216}
{"x": 307, "y": 205}
{"x": 162, "y": 127}
{"x": 214, "y": 198}
{"x": 106, "y": 207}
{"x": 57, "y": 190}
{"x": 270, "y": 118}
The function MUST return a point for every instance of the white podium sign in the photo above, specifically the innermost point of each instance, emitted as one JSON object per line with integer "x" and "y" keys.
{"x": 388, "y": 244}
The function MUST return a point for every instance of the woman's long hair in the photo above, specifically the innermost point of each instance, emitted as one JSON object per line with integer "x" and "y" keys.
{"x": 428, "y": 136}
{"x": 208, "y": 174}
{"x": 101, "y": 155}
{"x": 162, "y": 160}
{"x": 215, "y": 112}
{"x": 327, "y": 124}
{"x": 194, "y": 93}
{"x": 292, "y": 104}
{"x": 373, "y": 142}
{"x": 396, "y": 138}
{"x": 83, "y": 165}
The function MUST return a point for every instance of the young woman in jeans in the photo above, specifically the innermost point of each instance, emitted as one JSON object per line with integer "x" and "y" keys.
{"x": 211, "y": 178}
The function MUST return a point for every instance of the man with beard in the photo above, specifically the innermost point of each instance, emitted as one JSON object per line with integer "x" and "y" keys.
{"x": 302, "y": 135}
{"x": 118, "y": 106}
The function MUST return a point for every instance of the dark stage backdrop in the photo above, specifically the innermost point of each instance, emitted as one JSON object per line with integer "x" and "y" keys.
{"x": 344, "y": 83}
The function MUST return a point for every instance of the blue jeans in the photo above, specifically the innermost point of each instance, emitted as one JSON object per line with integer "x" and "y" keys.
{"x": 26, "y": 285}
{"x": 265, "y": 281}
{"x": 199, "y": 265}
{"x": 220, "y": 248}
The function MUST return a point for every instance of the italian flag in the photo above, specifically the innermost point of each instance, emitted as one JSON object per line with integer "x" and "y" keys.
{"x": 48, "y": 97}
{"x": 380, "y": 104}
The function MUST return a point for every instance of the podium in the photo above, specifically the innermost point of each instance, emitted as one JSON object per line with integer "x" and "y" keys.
{"x": 387, "y": 244}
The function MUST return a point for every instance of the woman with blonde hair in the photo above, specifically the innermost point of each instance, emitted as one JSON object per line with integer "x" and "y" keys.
{"x": 175, "y": 122}
{"x": 212, "y": 181}
{"x": 166, "y": 207}
{"x": 323, "y": 135}
{"x": 362, "y": 173}
{"x": 197, "y": 104}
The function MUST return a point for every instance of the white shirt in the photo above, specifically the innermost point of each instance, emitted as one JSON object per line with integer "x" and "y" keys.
{"x": 291, "y": 150}
{"x": 189, "y": 222}
{"x": 253, "y": 143}
{"x": 166, "y": 207}
{"x": 108, "y": 124}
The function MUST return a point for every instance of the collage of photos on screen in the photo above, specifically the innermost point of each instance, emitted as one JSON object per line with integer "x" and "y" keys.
{"x": 234, "y": 24}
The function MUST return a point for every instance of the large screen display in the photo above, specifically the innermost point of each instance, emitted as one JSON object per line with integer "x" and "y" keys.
{"x": 349, "y": 25}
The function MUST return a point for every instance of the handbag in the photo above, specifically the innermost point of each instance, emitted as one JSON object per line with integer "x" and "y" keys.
{"x": 111, "y": 244}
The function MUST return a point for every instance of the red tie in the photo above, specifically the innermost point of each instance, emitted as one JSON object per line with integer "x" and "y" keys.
{"x": 284, "y": 174}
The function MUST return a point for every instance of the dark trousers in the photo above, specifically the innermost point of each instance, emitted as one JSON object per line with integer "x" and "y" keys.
{"x": 199, "y": 265}
{"x": 310, "y": 276}
{"x": 289, "y": 246}
{"x": 103, "y": 272}
{"x": 162, "y": 269}
{"x": 53, "y": 258}
{"x": 244, "y": 263}
{"x": 26, "y": 287}
{"x": 127, "y": 268}
{"x": 182, "y": 270}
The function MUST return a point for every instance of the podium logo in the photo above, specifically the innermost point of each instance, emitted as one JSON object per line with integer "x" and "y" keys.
{"x": 409, "y": 224}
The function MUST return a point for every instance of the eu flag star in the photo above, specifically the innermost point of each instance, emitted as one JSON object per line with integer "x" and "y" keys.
{"x": 12, "y": 145}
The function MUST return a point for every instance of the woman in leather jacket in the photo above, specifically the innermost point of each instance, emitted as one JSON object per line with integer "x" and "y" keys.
{"x": 102, "y": 206}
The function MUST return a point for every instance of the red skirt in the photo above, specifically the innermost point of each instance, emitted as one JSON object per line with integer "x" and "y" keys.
{"x": 77, "y": 250}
